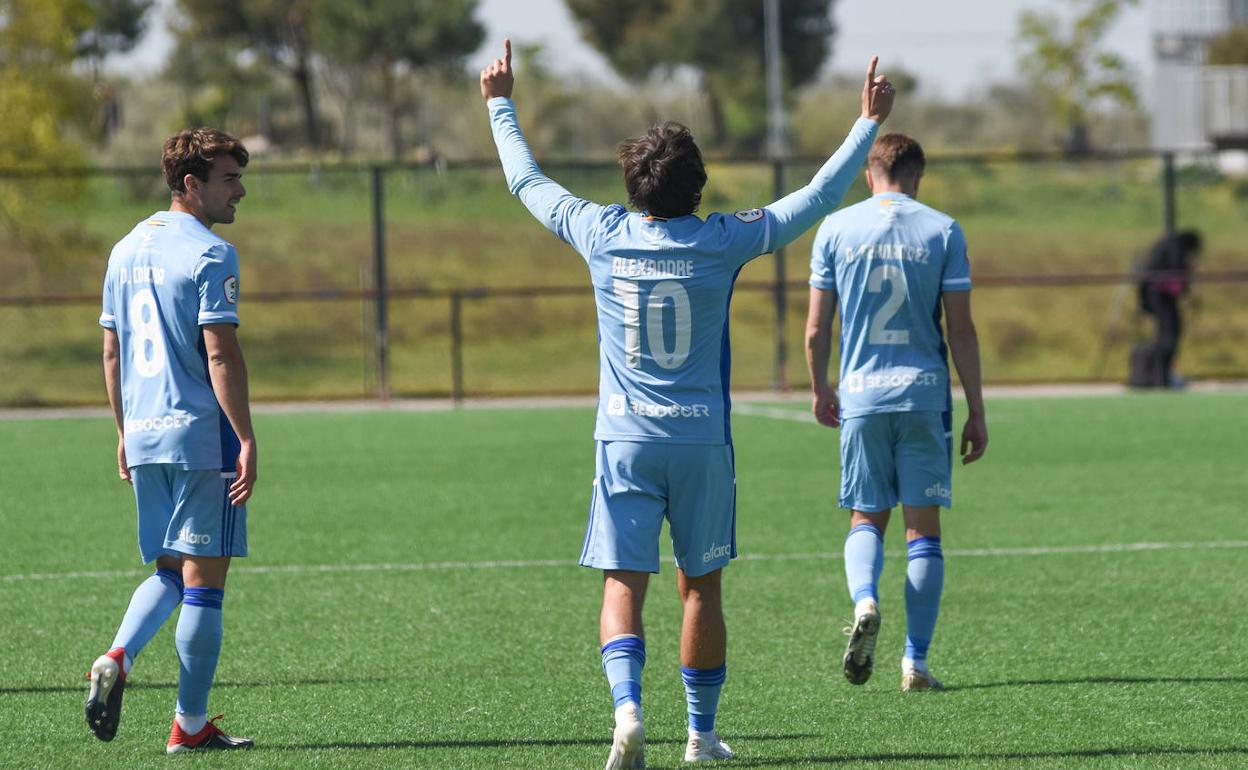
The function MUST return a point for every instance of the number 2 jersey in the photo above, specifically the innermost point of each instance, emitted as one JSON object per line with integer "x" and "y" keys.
{"x": 889, "y": 258}
{"x": 165, "y": 280}
{"x": 662, "y": 287}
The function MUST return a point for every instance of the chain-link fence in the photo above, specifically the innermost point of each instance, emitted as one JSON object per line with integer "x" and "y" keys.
{"x": 431, "y": 280}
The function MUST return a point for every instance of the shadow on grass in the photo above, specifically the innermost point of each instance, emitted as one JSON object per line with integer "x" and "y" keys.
{"x": 1102, "y": 680}
{"x": 919, "y": 756}
{"x": 500, "y": 743}
{"x": 82, "y": 688}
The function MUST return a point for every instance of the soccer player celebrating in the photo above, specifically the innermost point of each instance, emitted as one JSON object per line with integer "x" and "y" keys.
{"x": 662, "y": 282}
{"x": 889, "y": 263}
{"x": 178, "y": 387}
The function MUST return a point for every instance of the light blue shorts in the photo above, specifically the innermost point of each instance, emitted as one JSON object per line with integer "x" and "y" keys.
{"x": 896, "y": 457}
{"x": 187, "y": 512}
{"x": 638, "y": 484}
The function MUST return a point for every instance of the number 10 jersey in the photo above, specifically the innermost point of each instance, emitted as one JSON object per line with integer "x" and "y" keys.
{"x": 662, "y": 289}
{"x": 165, "y": 280}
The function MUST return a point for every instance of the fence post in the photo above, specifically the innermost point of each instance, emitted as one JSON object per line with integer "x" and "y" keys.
{"x": 779, "y": 378}
{"x": 380, "y": 286}
{"x": 457, "y": 347}
{"x": 1169, "y": 192}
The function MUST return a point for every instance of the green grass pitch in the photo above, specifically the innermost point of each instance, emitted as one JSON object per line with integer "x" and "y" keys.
{"x": 411, "y": 600}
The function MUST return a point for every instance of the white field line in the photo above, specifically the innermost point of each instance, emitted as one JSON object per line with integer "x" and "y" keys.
{"x": 773, "y": 412}
{"x": 430, "y": 566}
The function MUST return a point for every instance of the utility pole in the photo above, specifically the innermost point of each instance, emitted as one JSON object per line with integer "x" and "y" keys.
{"x": 777, "y": 149}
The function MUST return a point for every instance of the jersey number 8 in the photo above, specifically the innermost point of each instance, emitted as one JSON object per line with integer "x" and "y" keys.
{"x": 629, "y": 294}
{"x": 149, "y": 338}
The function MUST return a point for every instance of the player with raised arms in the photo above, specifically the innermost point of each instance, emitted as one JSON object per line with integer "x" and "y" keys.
{"x": 889, "y": 263}
{"x": 662, "y": 280}
{"x": 177, "y": 383}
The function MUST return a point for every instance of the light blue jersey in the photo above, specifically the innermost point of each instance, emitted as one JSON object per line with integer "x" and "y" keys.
{"x": 889, "y": 258}
{"x": 165, "y": 280}
{"x": 662, "y": 287}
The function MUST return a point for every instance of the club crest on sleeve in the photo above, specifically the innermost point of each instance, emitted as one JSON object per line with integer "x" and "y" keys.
{"x": 231, "y": 290}
{"x": 749, "y": 215}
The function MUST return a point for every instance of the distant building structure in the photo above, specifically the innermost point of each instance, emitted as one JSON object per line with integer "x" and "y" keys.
{"x": 1198, "y": 107}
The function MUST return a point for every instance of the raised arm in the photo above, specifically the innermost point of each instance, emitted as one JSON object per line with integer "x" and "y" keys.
{"x": 795, "y": 213}
{"x": 564, "y": 214}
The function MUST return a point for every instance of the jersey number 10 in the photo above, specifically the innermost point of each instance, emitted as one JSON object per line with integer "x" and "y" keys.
{"x": 629, "y": 294}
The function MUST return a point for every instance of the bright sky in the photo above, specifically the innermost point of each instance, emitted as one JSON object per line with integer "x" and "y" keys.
{"x": 952, "y": 52}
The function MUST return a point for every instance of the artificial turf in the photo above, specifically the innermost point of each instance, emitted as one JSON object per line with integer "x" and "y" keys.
{"x": 412, "y": 600}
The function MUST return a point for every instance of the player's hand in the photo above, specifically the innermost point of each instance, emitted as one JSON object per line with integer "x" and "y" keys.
{"x": 877, "y": 94}
{"x": 826, "y": 406}
{"x": 497, "y": 79}
{"x": 123, "y": 468}
{"x": 974, "y": 436}
{"x": 240, "y": 490}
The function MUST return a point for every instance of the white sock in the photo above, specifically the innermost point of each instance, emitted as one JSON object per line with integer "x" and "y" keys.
{"x": 918, "y": 666}
{"x": 862, "y": 605}
{"x": 191, "y": 724}
{"x": 126, "y": 663}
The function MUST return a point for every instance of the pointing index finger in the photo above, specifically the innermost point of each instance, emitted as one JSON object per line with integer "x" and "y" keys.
{"x": 871, "y": 70}
{"x": 507, "y": 52}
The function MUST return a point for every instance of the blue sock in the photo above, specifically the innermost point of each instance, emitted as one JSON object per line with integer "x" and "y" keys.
{"x": 925, "y": 577}
{"x": 623, "y": 657}
{"x": 864, "y": 561}
{"x": 702, "y": 686}
{"x": 198, "y": 640}
{"x": 151, "y": 605}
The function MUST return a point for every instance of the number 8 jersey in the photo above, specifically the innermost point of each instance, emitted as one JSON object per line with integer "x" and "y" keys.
{"x": 165, "y": 280}
{"x": 889, "y": 258}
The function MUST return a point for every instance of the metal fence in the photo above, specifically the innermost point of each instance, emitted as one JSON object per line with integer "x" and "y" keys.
{"x": 377, "y": 292}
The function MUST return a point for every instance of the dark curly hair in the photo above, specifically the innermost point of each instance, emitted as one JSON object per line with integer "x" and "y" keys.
{"x": 193, "y": 151}
{"x": 663, "y": 171}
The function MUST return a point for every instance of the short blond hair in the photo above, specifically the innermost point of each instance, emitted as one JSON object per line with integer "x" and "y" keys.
{"x": 897, "y": 157}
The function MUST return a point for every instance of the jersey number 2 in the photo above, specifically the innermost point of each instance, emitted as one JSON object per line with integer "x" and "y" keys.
{"x": 629, "y": 294}
{"x": 149, "y": 337}
{"x": 878, "y": 335}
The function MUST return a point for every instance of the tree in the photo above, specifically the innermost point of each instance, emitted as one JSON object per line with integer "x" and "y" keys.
{"x": 45, "y": 114}
{"x": 721, "y": 39}
{"x": 389, "y": 36}
{"x": 279, "y": 31}
{"x": 1068, "y": 69}
{"x": 1230, "y": 48}
{"x": 117, "y": 26}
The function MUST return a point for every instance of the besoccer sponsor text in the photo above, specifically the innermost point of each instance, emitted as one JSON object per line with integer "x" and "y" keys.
{"x": 619, "y": 405}
{"x": 149, "y": 424}
{"x": 857, "y": 382}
